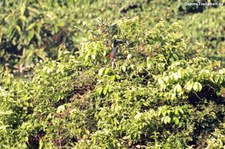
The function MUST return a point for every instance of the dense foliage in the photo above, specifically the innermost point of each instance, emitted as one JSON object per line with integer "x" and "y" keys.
{"x": 163, "y": 92}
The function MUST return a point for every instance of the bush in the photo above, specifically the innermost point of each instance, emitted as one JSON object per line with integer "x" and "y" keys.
{"x": 160, "y": 94}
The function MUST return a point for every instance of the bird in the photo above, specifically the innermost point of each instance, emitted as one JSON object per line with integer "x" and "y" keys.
{"x": 114, "y": 52}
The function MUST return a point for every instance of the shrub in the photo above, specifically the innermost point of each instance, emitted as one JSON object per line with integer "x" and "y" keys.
{"x": 160, "y": 95}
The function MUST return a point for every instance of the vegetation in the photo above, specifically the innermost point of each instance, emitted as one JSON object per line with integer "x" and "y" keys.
{"x": 59, "y": 89}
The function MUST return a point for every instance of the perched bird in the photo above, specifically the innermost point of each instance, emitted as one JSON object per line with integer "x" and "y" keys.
{"x": 114, "y": 51}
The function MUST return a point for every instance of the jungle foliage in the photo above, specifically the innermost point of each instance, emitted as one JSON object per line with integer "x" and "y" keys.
{"x": 167, "y": 89}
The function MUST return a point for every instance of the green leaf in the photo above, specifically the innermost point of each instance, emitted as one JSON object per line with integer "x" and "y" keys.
{"x": 129, "y": 56}
{"x": 99, "y": 90}
{"x": 178, "y": 88}
{"x": 100, "y": 72}
{"x": 176, "y": 111}
{"x": 197, "y": 86}
{"x": 106, "y": 71}
{"x": 167, "y": 119}
{"x": 188, "y": 86}
{"x": 176, "y": 120}
{"x": 30, "y": 36}
{"x": 113, "y": 77}
{"x": 124, "y": 68}
{"x": 93, "y": 56}
{"x": 18, "y": 29}
{"x": 181, "y": 111}
{"x": 22, "y": 9}
{"x": 105, "y": 90}
{"x": 40, "y": 144}
{"x": 31, "y": 26}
